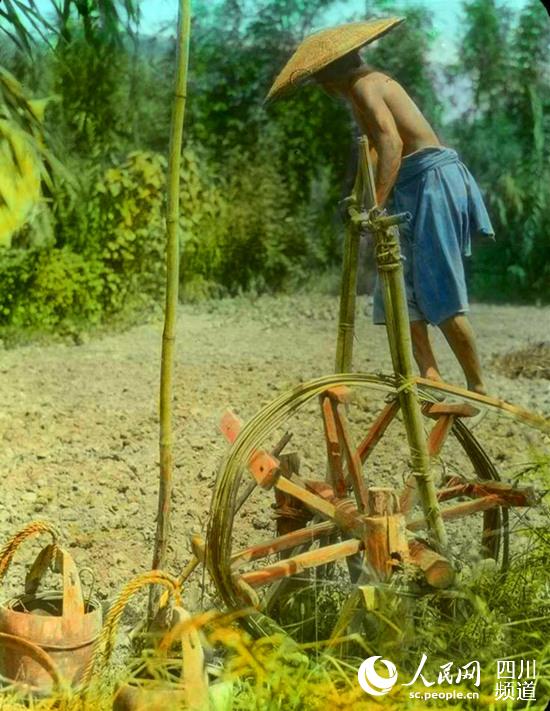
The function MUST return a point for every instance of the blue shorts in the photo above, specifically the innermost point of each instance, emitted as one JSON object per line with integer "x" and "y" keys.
{"x": 447, "y": 211}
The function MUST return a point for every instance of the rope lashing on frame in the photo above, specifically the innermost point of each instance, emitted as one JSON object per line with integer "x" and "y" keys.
{"x": 388, "y": 256}
{"x": 387, "y": 249}
{"x": 408, "y": 384}
{"x": 344, "y": 326}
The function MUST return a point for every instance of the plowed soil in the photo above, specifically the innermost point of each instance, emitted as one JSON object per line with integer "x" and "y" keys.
{"x": 79, "y": 423}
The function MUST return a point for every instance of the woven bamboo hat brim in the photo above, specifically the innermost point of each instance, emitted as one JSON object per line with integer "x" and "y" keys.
{"x": 322, "y": 48}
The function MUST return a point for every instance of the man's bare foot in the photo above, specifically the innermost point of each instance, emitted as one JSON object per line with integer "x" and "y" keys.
{"x": 431, "y": 374}
{"x": 478, "y": 388}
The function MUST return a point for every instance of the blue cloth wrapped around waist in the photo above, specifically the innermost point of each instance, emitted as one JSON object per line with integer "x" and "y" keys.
{"x": 434, "y": 180}
{"x": 447, "y": 211}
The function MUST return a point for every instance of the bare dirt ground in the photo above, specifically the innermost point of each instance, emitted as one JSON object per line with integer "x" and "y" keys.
{"x": 79, "y": 424}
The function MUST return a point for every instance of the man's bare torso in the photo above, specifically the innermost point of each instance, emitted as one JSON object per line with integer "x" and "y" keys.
{"x": 375, "y": 88}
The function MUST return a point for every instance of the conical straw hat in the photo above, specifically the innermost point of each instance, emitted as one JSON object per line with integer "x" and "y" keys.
{"x": 322, "y": 48}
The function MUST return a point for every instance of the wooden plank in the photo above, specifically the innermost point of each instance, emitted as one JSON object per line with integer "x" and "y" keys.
{"x": 377, "y": 430}
{"x": 230, "y": 426}
{"x": 458, "y": 409}
{"x": 385, "y": 537}
{"x": 282, "y": 543}
{"x": 302, "y": 561}
{"x": 338, "y": 393}
{"x": 437, "y": 570}
{"x": 264, "y": 468}
{"x": 249, "y": 488}
{"x": 291, "y": 513}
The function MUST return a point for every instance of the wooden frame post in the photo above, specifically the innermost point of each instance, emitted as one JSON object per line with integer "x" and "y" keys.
{"x": 390, "y": 271}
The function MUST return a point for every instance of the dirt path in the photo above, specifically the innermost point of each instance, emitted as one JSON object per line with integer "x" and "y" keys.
{"x": 78, "y": 424}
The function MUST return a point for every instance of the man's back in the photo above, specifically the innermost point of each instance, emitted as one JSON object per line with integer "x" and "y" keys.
{"x": 376, "y": 89}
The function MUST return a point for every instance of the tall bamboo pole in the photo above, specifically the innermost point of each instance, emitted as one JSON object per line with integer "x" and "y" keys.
{"x": 390, "y": 271}
{"x": 348, "y": 285}
{"x": 172, "y": 282}
{"x": 362, "y": 197}
{"x": 348, "y": 288}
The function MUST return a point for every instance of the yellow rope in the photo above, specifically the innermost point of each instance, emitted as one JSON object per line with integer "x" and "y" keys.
{"x": 407, "y": 384}
{"x": 34, "y": 528}
{"x": 388, "y": 254}
{"x": 105, "y": 643}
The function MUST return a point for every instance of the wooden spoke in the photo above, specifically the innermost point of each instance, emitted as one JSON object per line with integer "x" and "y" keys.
{"x": 282, "y": 543}
{"x": 302, "y": 561}
{"x": 514, "y": 496}
{"x": 377, "y": 430}
{"x": 485, "y": 503}
{"x": 334, "y": 450}
{"x": 313, "y": 502}
{"x": 355, "y": 471}
{"x": 439, "y": 433}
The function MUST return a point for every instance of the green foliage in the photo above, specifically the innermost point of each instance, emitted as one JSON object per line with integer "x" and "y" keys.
{"x": 28, "y": 25}
{"x": 110, "y": 253}
{"x": 127, "y": 228}
{"x": 91, "y": 117}
{"x": 506, "y": 143}
{"x": 27, "y": 167}
{"x": 260, "y": 184}
{"x": 64, "y": 286}
{"x": 267, "y": 241}
{"x": 235, "y": 57}
{"x": 239, "y": 231}
{"x": 406, "y": 57}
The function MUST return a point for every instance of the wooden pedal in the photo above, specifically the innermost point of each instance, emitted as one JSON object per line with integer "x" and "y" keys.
{"x": 436, "y": 409}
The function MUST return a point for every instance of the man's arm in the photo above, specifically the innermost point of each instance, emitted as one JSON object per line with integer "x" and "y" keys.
{"x": 374, "y": 116}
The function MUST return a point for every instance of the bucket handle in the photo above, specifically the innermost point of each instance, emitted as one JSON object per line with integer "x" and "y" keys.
{"x": 35, "y": 652}
{"x": 32, "y": 529}
{"x": 73, "y": 601}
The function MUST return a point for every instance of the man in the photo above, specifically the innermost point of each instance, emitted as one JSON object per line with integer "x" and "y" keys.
{"x": 415, "y": 173}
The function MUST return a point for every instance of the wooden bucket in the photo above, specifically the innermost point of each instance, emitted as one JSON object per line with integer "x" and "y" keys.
{"x": 61, "y": 624}
{"x": 189, "y": 691}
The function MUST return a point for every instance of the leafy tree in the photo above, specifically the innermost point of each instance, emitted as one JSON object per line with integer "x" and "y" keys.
{"x": 505, "y": 140}
{"x": 404, "y": 55}
{"x": 26, "y": 25}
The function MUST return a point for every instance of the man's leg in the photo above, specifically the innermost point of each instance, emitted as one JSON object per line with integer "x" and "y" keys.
{"x": 460, "y": 336}
{"x": 422, "y": 350}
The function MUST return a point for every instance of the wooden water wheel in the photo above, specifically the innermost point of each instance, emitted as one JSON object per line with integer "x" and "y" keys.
{"x": 317, "y": 492}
